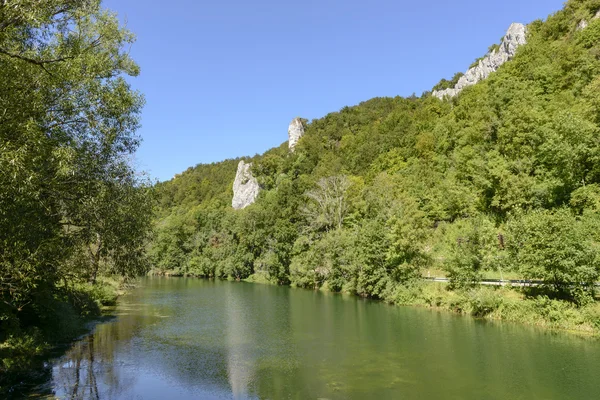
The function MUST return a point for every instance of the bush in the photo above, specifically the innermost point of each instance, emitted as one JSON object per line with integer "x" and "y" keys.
{"x": 485, "y": 302}
{"x": 448, "y": 84}
{"x": 410, "y": 293}
{"x": 18, "y": 351}
{"x": 554, "y": 311}
{"x": 592, "y": 316}
{"x": 201, "y": 266}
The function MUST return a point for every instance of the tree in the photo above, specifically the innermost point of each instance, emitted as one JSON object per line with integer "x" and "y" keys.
{"x": 113, "y": 228}
{"x": 67, "y": 129}
{"x": 555, "y": 247}
{"x": 408, "y": 231}
{"x": 327, "y": 204}
{"x": 472, "y": 249}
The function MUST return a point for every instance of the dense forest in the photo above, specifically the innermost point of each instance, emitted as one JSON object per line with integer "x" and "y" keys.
{"x": 73, "y": 213}
{"x": 500, "y": 181}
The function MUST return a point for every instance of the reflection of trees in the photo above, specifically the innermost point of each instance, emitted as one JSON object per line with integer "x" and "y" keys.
{"x": 79, "y": 377}
{"x": 275, "y": 365}
{"x": 88, "y": 369}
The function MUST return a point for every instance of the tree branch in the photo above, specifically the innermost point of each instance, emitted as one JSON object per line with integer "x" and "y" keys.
{"x": 34, "y": 61}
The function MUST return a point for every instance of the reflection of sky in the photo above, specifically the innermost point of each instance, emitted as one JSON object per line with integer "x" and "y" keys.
{"x": 239, "y": 343}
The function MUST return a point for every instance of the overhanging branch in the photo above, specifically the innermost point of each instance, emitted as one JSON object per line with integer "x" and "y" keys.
{"x": 33, "y": 60}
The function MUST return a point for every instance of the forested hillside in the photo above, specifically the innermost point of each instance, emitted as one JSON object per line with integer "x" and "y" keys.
{"x": 503, "y": 179}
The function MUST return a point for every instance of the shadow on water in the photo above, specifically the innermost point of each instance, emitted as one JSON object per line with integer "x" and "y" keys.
{"x": 189, "y": 339}
{"x": 39, "y": 379}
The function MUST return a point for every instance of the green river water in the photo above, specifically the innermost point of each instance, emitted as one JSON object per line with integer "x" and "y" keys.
{"x": 177, "y": 338}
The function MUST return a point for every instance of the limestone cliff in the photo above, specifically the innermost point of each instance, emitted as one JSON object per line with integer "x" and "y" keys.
{"x": 295, "y": 132}
{"x": 245, "y": 187}
{"x": 515, "y": 37}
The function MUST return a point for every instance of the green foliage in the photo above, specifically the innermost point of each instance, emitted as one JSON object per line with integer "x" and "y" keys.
{"x": 494, "y": 47}
{"x": 408, "y": 231}
{"x": 16, "y": 352}
{"x": 473, "y": 248}
{"x": 327, "y": 206}
{"x": 485, "y": 302}
{"x": 202, "y": 183}
{"x": 448, "y": 84}
{"x": 476, "y": 62}
{"x": 586, "y": 198}
{"x": 371, "y": 265}
{"x": 71, "y": 207}
{"x": 557, "y": 248}
{"x": 325, "y": 261}
{"x": 378, "y": 194}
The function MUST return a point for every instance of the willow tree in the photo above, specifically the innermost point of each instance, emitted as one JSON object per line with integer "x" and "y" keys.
{"x": 67, "y": 130}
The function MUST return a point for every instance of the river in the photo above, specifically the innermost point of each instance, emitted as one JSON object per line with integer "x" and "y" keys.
{"x": 178, "y": 338}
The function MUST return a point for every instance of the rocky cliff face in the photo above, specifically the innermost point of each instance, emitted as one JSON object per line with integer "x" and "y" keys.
{"x": 295, "y": 132}
{"x": 245, "y": 187}
{"x": 515, "y": 37}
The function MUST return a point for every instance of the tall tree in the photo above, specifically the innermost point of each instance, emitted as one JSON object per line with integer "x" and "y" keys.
{"x": 67, "y": 129}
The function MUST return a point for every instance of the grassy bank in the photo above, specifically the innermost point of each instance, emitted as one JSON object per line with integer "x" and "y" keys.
{"x": 66, "y": 317}
{"x": 503, "y": 303}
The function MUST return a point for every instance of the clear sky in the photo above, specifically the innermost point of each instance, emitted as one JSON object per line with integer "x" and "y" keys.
{"x": 223, "y": 78}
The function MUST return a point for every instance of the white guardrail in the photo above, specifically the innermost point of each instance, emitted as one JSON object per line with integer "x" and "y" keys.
{"x": 500, "y": 282}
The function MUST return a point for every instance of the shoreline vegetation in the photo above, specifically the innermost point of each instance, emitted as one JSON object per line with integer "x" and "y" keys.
{"x": 23, "y": 355}
{"x": 501, "y": 303}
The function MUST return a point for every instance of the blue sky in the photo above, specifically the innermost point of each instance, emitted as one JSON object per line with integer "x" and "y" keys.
{"x": 223, "y": 78}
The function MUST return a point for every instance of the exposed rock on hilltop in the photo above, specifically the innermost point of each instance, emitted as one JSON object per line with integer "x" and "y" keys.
{"x": 295, "y": 132}
{"x": 245, "y": 187}
{"x": 515, "y": 37}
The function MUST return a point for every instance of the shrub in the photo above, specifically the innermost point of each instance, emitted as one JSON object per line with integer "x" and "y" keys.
{"x": 485, "y": 301}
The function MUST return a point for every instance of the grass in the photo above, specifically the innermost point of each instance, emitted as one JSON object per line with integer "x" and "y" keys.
{"x": 503, "y": 303}
{"x": 440, "y": 273}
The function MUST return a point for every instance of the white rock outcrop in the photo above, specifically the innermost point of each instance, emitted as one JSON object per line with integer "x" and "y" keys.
{"x": 295, "y": 132}
{"x": 515, "y": 36}
{"x": 245, "y": 187}
{"x": 584, "y": 24}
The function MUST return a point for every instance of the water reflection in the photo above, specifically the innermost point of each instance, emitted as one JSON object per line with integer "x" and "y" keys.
{"x": 240, "y": 358}
{"x": 190, "y": 339}
{"x": 89, "y": 369}
{"x": 78, "y": 376}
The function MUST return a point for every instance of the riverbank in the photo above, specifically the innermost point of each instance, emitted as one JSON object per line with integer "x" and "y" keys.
{"x": 500, "y": 303}
{"x": 504, "y": 304}
{"x": 23, "y": 351}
